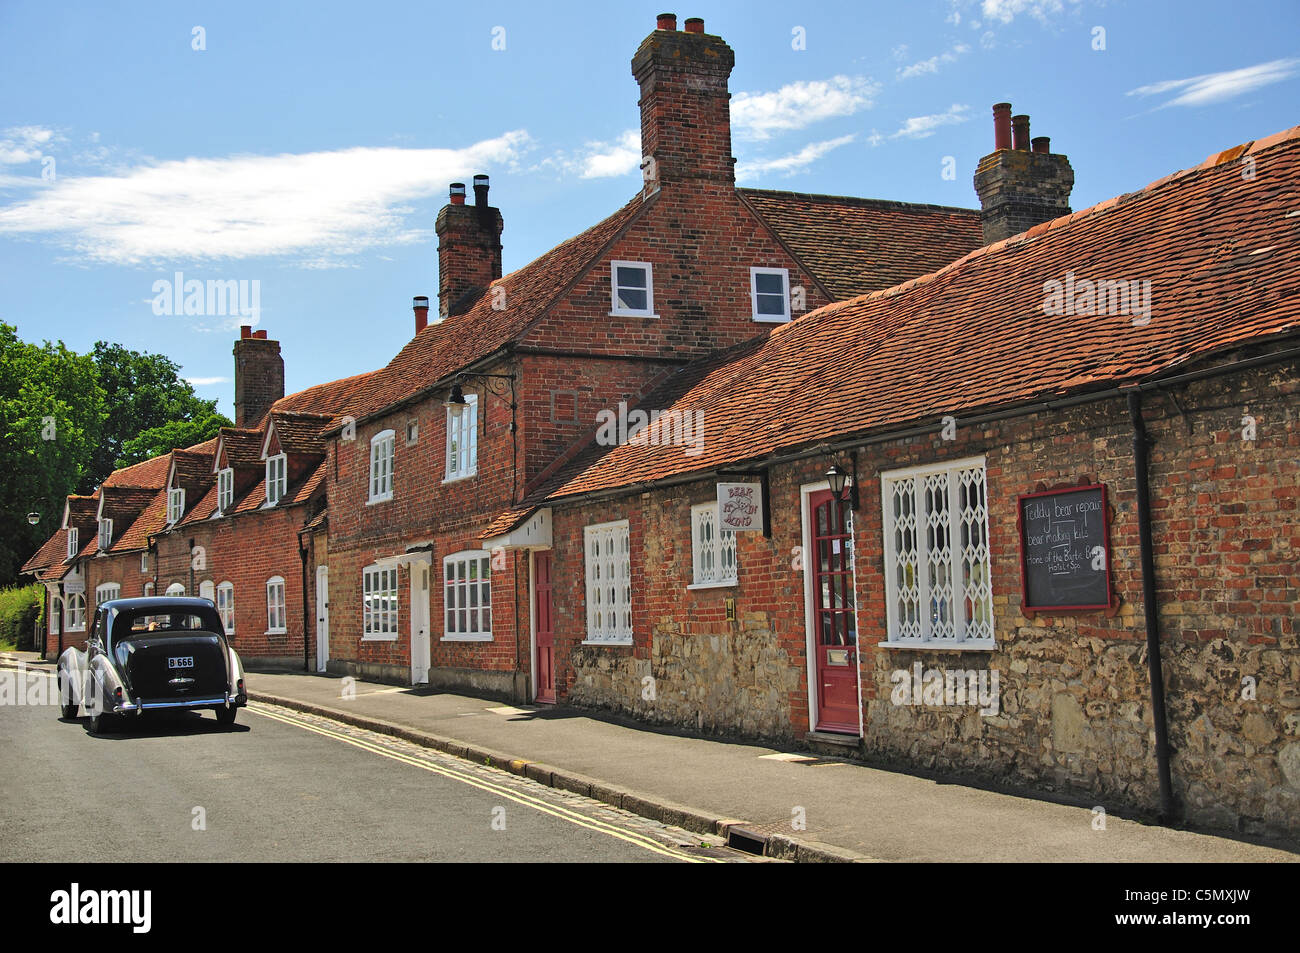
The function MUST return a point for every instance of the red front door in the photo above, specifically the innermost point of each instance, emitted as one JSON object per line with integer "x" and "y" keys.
{"x": 545, "y": 629}
{"x": 835, "y": 634}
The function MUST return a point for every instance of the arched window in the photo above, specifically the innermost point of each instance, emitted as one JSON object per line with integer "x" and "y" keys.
{"x": 207, "y": 590}
{"x": 109, "y": 590}
{"x": 226, "y": 606}
{"x": 276, "y": 621}
{"x": 176, "y": 589}
{"x": 76, "y": 613}
{"x": 148, "y": 589}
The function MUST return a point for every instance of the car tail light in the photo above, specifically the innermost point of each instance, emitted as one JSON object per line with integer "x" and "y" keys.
{"x": 239, "y": 685}
{"x": 117, "y": 695}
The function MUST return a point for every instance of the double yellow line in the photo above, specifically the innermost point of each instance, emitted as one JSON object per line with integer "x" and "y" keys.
{"x": 537, "y": 804}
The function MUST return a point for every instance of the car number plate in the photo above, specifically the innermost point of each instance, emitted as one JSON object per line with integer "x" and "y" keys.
{"x": 181, "y": 661}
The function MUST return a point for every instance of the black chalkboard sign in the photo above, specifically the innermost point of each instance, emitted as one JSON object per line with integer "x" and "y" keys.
{"x": 1065, "y": 548}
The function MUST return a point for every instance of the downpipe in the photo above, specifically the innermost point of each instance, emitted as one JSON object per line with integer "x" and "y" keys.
{"x": 1149, "y": 608}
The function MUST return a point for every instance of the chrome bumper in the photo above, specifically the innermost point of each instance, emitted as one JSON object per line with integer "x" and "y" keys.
{"x": 223, "y": 701}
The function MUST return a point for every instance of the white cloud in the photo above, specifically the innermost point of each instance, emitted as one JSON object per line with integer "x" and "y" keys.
{"x": 606, "y": 159}
{"x": 922, "y": 127}
{"x": 933, "y": 63}
{"x": 321, "y": 204}
{"x": 206, "y": 381}
{"x": 799, "y": 104}
{"x": 1004, "y": 11}
{"x": 22, "y": 144}
{"x": 1216, "y": 87}
{"x": 792, "y": 163}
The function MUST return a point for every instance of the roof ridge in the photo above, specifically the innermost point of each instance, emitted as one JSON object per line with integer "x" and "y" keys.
{"x": 1212, "y": 161}
{"x": 860, "y": 200}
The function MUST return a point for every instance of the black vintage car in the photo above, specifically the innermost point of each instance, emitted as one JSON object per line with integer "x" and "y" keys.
{"x": 152, "y": 654}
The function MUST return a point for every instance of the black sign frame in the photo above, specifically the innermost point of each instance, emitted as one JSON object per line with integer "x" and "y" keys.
{"x": 1110, "y": 604}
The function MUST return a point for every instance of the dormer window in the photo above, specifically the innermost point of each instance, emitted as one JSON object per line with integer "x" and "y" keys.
{"x": 632, "y": 289}
{"x": 225, "y": 490}
{"x": 73, "y": 548}
{"x": 105, "y": 534}
{"x": 276, "y": 478}
{"x": 770, "y": 292}
{"x": 175, "y": 504}
{"x": 381, "y": 467}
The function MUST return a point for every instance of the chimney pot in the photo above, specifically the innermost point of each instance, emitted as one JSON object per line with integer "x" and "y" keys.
{"x": 260, "y": 335}
{"x": 667, "y": 21}
{"x": 1001, "y": 126}
{"x": 457, "y": 193}
{"x": 1041, "y": 144}
{"x": 245, "y": 330}
{"x": 420, "y": 305}
{"x": 1020, "y": 133}
{"x": 481, "y": 190}
{"x": 695, "y": 25}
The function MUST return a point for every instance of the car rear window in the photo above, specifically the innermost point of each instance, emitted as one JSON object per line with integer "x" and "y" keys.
{"x": 160, "y": 623}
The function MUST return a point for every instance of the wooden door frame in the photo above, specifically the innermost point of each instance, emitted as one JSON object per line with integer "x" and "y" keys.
{"x": 806, "y": 492}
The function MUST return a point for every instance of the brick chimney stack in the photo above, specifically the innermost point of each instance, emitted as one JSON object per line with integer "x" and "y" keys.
{"x": 1021, "y": 183}
{"x": 469, "y": 248}
{"x": 259, "y": 376}
{"x": 685, "y": 104}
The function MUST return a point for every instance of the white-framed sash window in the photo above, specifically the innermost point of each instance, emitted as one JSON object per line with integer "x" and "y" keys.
{"x": 381, "y": 467}
{"x": 276, "y": 621}
{"x": 462, "y": 439}
{"x": 277, "y": 470}
{"x": 467, "y": 596}
{"x": 379, "y": 602}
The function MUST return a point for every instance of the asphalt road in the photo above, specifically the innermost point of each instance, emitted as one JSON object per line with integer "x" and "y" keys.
{"x": 283, "y": 786}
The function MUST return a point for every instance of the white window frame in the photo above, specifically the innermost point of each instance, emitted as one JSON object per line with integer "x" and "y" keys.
{"x": 927, "y": 628}
{"x": 462, "y": 599}
{"x": 275, "y": 607}
{"x": 226, "y": 606}
{"x": 714, "y": 561}
{"x": 225, "y": 490}
{"x": 382, "y": 447}
{"x": 277, "y": 478}
{"x": 148, "y": 588}
{"x": 208, "y": 590}
{"x": 379, "y": 603}
{"x": 107, "y": 591}
{"x": 463, "y": 425}
{"x": 412, "y": 432}
{"x": 619, "y": 312}
{"x": 56, "y": 607}
{"x": 607, "y": 551}
{"x": 105, "y": 534}
{"x": 144, "y": 561}
{"x": 175, "y": 504}
{"x": 753, "y": 295}
{"x": 74, "y": 612}
{"x": 175, "y": 589}
{"x": 73, "y": 542}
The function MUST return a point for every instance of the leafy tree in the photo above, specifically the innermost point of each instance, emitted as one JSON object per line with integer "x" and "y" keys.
{"x": 143, "y": 392}
{"x": 176, "y": 433}
{"x": 51, "y": 409}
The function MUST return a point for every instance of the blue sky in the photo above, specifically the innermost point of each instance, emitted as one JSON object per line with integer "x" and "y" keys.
{"x": 308, "y": 146}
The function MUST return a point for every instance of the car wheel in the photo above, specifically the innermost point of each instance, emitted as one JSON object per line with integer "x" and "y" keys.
{"x": 226, "y": 716}
{"x": 68, "y": 711}
{"x": 101, "y": 723}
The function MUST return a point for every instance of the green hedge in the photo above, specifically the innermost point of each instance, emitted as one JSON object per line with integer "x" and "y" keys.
{"x": 20, "y": 608}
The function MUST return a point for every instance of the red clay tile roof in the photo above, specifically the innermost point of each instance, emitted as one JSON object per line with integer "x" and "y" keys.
{"x": 329, "y": 398}
{"x": 507, "y": 520}
{"x": 52, "y": 552}
{"x": 151, "y": 473}
{"x": 151, "y": 520}
{"x": 854, "y": 246}
{"x": 1222, "y": 254}
{"x": 82, "y": 510}
{"x": 242, "y": 447}
{"x": 194, "y": 465}
{"x": 457, "y": 341}
{"x": 300, "y": 432}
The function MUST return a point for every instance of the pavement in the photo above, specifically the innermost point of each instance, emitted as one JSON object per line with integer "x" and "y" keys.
{"x": 785, "y": 803}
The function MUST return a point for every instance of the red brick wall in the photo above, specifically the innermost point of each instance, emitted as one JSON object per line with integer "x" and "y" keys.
{"x": 1074, "y": 709}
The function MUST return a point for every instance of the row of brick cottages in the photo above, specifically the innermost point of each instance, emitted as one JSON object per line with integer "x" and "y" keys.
{"x": 1006, "y": 391}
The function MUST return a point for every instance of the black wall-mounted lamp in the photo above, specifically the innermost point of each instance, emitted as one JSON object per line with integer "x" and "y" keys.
{"x": 838, "y": 478}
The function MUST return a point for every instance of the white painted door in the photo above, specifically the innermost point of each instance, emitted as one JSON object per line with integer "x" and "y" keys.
{"x": 322, "y": 617}
{"x": 420, "y": 652}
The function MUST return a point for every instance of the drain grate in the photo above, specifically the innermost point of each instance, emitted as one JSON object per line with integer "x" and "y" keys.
{"x": 740, "y": 839}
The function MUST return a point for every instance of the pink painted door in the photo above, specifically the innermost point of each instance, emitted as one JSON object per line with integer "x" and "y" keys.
{"x": 835, "y": 637}
{"x": 545, "y": 628}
